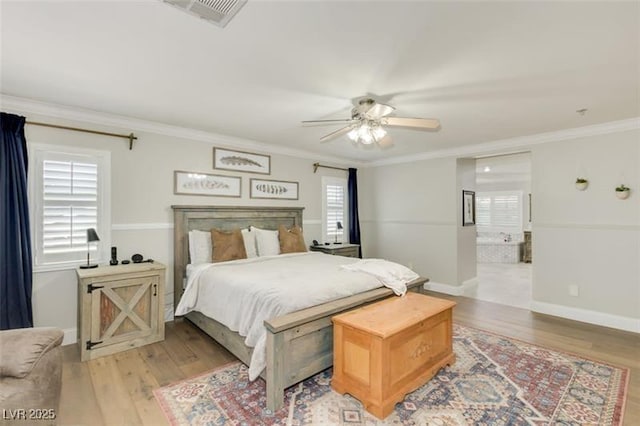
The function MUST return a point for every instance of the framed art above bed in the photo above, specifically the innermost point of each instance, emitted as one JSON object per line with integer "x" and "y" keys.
{"x": 273, "y": 189}
{"x": 195, "y": 183}
{"x": 240, "y": 161}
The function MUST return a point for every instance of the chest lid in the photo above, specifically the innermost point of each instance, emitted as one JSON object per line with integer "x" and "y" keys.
{"x": 394, "y": 314}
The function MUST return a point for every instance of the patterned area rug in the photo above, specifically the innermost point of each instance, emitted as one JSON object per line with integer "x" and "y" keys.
{"x": 495, "y": 381}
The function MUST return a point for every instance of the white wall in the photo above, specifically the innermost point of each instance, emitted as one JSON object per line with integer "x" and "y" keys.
{"x": 141, "y": 199}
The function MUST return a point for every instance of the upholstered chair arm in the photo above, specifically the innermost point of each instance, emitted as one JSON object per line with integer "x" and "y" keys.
{"x": 21, "y": 349}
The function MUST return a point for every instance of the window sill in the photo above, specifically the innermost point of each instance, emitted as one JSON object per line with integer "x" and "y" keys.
{"x": 67, "y": 266}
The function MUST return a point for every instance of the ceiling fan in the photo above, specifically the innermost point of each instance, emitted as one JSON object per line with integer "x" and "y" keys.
{"x": 367, "y": 122}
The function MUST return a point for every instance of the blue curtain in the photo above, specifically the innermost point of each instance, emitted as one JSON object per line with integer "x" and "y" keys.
{"x": 15, "y": 240}
{"x": 354, "y": 219}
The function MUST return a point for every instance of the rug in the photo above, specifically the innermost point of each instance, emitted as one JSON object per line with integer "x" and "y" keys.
{"x": 494, "y": 381}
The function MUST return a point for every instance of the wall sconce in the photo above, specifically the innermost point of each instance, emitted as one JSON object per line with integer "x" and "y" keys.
{"x": 338, "y": 228}
{"x": 92, "y": 237}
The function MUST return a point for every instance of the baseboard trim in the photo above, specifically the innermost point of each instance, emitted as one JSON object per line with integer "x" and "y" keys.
{"x": 70, "y": 336}
{"x": 453, "y": 290}
{"x": 470, "y": 285}
{"x": 584, "y": 315}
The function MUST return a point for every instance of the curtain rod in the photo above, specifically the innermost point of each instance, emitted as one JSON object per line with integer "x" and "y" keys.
{"x": 130, "y": 136}
{"x": 316, "y": 165}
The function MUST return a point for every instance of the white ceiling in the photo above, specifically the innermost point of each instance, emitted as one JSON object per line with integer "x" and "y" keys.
{"x": 487, "y": 70}
{"x": 504, "y": 169}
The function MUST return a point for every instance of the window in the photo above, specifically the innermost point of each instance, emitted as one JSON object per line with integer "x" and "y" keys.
{"x": 499, "y": 211}
{"x": 334, "y": 208}
{"x": 69, "y": 193}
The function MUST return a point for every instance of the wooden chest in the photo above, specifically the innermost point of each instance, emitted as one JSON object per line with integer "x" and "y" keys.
{"x": 387, "y": 349}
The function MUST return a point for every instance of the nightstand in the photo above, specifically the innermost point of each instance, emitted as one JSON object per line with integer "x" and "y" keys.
{"x": 347, "y": 250}
{"x": 119, "y": 307}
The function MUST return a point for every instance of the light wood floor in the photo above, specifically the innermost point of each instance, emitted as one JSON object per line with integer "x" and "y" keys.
{"x": 118, "y": 389}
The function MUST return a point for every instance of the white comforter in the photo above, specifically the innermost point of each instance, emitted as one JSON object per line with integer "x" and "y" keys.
{"x": 242, "y": 294}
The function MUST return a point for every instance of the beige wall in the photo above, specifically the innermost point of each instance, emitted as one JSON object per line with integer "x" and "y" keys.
{"x": 587, "y": 238}
{"x": 590, "y": 239}
{"x": 466, "y": 238}
{"x": 141, "y": 199}
{"x": 409, "y": 212}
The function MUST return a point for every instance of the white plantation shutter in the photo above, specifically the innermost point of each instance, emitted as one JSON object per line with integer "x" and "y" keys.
{"x": 499, "y": 211}
{"x": 334, "y": 191}
{"x": 483, "y": 210}
{"x": 69, "y": 195}
{"x": 70, "y": 205}
{"x": 335, "y": 210}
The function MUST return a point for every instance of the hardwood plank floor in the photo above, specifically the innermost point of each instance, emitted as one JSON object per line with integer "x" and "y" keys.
{"x": 118, "y": 389}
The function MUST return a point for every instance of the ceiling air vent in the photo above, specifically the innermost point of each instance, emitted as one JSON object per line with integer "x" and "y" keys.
{"x": 218, "y": 12}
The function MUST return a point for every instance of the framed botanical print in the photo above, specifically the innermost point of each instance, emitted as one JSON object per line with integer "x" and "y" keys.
{"x": 195, "y": 183}
{"x": 273, "y": 189}
{"x": 468, "y": 208}
{"x": 240, "y": 161}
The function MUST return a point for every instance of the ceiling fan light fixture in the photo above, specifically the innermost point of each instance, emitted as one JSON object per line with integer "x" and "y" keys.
{"x": 365, "y": 127}
{"x": 379, "y": 133}
{"x": 365, "y": 136}
{"x": 367, "y": 133}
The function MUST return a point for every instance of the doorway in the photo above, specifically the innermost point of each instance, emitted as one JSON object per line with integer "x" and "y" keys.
{"x": 503, "y": 230}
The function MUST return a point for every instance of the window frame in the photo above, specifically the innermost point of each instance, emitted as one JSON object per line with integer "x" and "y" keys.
{"x": 40, "y": 152}
{"x": 326, "y": 181}
{"x": 498, "y": 228}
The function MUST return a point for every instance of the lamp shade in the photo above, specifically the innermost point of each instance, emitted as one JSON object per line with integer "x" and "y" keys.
{"x": 92, "y": 235}
{"x": 339, "y": 225}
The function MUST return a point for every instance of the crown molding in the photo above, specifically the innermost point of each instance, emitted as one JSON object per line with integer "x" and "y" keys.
{"x": 504, "y": 146}
{"x": 518, "y": 144}
{"x": 29, "y": 106}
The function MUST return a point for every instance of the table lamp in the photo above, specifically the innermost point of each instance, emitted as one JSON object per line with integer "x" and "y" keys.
{"x": 92, "y": 237}
{"x": 339, "y": 228}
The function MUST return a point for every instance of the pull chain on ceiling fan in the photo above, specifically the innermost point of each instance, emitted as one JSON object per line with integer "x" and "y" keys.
{"x": 367, "y": 122}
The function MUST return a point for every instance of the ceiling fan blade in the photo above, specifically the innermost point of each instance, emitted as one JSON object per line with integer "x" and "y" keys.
{"x": 336, "y": 133}
{"x": 424, "y": 123}
{"x": 385, "y": 142}
{"x": 379, "y": 111}
{"x": 323, "y": 122}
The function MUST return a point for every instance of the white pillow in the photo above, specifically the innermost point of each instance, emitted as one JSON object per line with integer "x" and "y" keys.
{"x": 250, "y": 243}
{"x": 200, "y": 247}
{"x": 267, "y": 242}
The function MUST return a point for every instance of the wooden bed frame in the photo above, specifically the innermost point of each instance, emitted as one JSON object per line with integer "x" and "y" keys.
{"x": 299, "y": 344}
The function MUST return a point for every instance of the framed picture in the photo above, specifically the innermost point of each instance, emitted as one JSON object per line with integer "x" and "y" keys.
{"x": 194, "y": 183}
{"x": 468, "y": 208}
{"x": 273, "y": 189}
{"x": 240, "y": 161}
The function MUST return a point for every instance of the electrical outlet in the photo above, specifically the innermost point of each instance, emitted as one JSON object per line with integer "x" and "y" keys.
{"x": 574, "y": 290}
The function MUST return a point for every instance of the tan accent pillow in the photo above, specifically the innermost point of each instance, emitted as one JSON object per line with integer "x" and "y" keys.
{"x": 227, "y": 245}
{"x": 291, "y": 240}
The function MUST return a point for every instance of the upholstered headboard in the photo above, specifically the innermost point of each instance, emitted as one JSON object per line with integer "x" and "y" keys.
{"x": 204, "y": 218}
